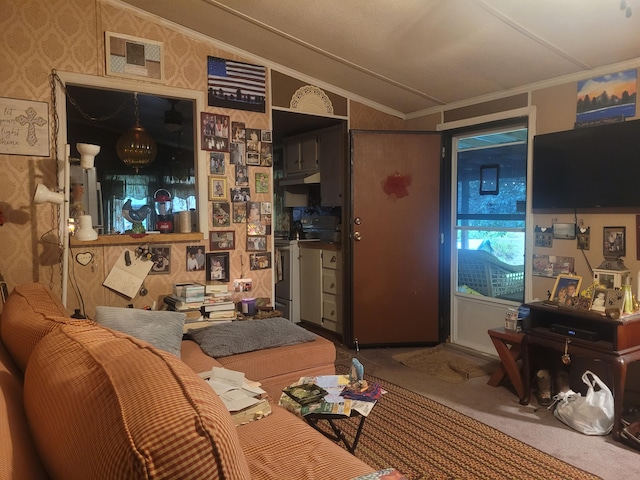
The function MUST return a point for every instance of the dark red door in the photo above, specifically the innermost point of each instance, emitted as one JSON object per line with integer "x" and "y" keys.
{"x": 394, "y": 237}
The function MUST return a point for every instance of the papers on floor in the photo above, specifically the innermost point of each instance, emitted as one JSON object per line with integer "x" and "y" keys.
{"x": 235, "y": 392}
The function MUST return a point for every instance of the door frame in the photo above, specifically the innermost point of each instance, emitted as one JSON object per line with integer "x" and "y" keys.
{"x": 450, "y": 130}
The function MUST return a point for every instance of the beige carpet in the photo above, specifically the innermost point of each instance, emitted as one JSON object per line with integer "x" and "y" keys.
{"x": 443, "y": 364}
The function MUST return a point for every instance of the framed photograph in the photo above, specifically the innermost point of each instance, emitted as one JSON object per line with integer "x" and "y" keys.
{"x": 266, "y": 154}
{"x": 242, "y": 176}
{"x": 161, "y": 258}
{"x": 236, "y": 85}
{"x": 256, "y": 228}
{"x": 217, "y": 188}
{"x": 253, "y": 211}
{"x": 583, "y": 303}
{"x": 222, "y": 240}
{"x": 132, "y": 57}
{"x": 253, "y": 158}
{"x": 195, "y": 258}
{"x": 217, "y": 266}
{"x": 262, "y": 182}
{"x": 615, "y": 299}
{"x": 239, "y": 212}
{"x": 265, "y": 208}
{"x": 221, "y": 214}
{"x": 260, "y": 261}
{"x": 599, "y": 299}
{"x": 253, "y": 140}
{"x": 215, "y": 132}
{"x": 266, "y": 136}
{"x": 237, "y": 132}
{"x": 614, "y": 242}
{"x": 240, "y": 194}
{"x": 257, "y": 243}
{"x": 566, "y": 288}
{"x": 238, "y": 154}
{"x": 217, "y": 164}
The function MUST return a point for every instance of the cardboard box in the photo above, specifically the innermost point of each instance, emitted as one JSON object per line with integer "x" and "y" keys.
{"x": 189, "y": 292}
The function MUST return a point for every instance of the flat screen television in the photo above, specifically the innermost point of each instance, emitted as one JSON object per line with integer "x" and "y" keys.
{"x": 588, "y": 167}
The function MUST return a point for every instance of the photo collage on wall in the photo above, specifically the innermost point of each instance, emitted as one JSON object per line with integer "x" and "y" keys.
{"x": 234, "y": 149}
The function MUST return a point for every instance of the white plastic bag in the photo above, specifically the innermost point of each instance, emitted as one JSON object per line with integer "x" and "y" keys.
{"x": 591, "y": 414}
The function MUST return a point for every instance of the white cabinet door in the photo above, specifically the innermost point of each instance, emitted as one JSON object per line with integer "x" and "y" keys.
{"x": 311, "y": 285}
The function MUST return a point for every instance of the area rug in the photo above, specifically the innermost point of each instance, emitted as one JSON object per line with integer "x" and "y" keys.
{"x": 424, "y": 439}
{"x": 441, "y": 363}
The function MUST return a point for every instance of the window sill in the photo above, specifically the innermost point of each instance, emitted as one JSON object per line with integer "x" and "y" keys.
{"x": 108, "y": 240}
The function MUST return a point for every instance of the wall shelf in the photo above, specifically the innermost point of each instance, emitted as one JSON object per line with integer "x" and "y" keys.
{"x": 111, "y": 240}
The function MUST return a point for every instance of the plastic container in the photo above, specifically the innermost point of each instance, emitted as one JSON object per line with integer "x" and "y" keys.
{"x": 249, "y": 306}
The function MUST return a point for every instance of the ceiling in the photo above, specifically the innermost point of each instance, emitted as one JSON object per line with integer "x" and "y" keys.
{"x": 408, "y": 56}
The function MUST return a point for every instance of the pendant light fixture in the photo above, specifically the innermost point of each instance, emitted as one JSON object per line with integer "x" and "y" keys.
{"x": 135, "y": 147}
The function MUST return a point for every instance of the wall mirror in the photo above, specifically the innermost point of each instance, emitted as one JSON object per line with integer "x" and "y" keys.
{"x": 100, "y": 111}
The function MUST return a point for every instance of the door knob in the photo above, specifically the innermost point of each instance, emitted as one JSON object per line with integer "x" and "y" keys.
{"x": 357, "y": 237}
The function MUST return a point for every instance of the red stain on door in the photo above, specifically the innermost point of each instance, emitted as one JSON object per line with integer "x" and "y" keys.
{"x": 396, "y": 185}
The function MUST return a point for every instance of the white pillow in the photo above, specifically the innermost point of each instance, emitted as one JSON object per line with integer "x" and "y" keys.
{"x": 162, "y": 329}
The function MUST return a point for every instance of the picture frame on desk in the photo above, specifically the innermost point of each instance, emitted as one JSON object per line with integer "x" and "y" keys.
{"x": 599, "y": 300}
{"x": 565, "y": 288}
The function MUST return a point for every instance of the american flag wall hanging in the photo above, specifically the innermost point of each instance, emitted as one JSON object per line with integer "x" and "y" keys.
{"x": 235, "y": 85}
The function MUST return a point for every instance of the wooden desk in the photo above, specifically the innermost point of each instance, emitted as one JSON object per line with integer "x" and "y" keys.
{"x": 508, "y": 347}
{"x": 617, "y": 343}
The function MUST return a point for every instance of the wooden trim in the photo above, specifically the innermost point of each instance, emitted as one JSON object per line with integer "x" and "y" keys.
{"x": 111, "y": 240}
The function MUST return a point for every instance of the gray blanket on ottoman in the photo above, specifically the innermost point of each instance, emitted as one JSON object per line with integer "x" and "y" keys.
{"x": 248, "y": 335}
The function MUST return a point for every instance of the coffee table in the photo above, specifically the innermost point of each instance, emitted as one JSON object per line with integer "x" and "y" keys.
{"x": 338, "y": 435}
{"x": 315, "y": 419}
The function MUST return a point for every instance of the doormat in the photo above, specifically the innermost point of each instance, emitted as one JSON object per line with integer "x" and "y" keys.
{"x": 443, "y": 364}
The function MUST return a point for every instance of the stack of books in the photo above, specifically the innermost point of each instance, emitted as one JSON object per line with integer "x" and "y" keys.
{"x": 214, "y": 307}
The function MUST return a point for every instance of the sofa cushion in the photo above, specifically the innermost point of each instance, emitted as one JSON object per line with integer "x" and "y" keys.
{"x": 301, "y": 451}
{"x": 102, "y": 404}
{"x": 162, "y": 329}
{"x": 18, "y": 457}
{"x": 31, "y": 312}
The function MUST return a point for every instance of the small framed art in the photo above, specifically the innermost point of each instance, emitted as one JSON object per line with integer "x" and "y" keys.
{"x": 222, "y": 240}
{"x": 565, "y": 289}
{"x": 262, "y": 182}
{"x": 217, "y": 188}
{"x": 257, "y": 243}
{"x": 614, "y": 243}
{"x": 133, "y": 57}
{"x": 217, "y": 266}
{"x": 195, "y": 258}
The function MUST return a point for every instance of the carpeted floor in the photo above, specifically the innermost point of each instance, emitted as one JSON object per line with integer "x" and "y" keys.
{"x": 441, "y": 363}
{"x": 425, "y": 439}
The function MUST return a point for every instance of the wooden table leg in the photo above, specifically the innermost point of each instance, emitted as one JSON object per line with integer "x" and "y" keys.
{"x": 509, "y": 351}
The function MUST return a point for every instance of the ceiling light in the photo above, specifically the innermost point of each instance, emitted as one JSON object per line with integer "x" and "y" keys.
{"x": 135, "y": 147}
{"x": 173, "y": 118}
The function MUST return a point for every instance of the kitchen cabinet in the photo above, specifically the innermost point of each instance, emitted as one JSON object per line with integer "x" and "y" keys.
{"x": 321, "y": 287}
{"x": 301, "y": 154}
{"x": 332, "y": 290}
{"x": 311, "y": 285}
{"x": 331, "y": 162}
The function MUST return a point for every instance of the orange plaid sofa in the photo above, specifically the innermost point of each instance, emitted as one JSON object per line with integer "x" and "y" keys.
{"x": 80, "y": 401}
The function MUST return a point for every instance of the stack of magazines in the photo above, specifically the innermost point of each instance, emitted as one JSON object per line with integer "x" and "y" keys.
{"x": 306, "y": 393}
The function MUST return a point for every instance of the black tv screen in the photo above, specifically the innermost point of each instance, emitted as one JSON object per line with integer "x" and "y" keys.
{"x": 588, "y": 167}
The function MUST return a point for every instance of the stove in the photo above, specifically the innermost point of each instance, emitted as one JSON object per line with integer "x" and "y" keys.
{"x": 287, "y": 287}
